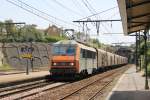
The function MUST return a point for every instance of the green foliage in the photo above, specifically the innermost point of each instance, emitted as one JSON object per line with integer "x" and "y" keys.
{"x": 30, "y": 33}
{"x": 1, "y": 27}
{"x": 53, "y": 39}
{"x": 13, "y": 33}
{"x": 5, "y": 67}
{"x": 96, "y": 43}
{"x": 142, "y": 48}
{"x": 148, "y": 55}
{"x": 10, "y": 28}
{"x": 79, "y": 34}
{"x": 148, "y": 70}
{"x": 27, "y": 33}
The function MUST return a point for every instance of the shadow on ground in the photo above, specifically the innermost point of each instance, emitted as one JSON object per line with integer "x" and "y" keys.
{"x": 130, "y": 95}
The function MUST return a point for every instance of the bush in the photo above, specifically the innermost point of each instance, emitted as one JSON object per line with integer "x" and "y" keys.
{"x": 53, "y": 39}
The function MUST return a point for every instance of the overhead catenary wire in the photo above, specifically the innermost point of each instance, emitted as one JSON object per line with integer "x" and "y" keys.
{"x": 78, "y": 5}
{"x": 63, "y": 6}
{"x": 91, "y": 7}
{"x": 97, "y": 23}
{"x": 20, "y": 6}
{"x": 43, "y": 14}
{"x": 51, "y": 6}
{"x": 86, "y": 4}
{"x": 98, "y": 13}
{"x": 47, "y": 14}
{"x": 31, "y": 9}
{"x": 112, "y": 16}
{"x": 48, "y": 4}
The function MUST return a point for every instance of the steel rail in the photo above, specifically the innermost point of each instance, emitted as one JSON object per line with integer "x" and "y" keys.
{"x": 106, "y": 85}
{"x": 86, "y": 86}
{"x": 74, "y": 92}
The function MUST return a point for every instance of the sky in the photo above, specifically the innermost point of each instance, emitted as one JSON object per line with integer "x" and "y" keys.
{"x": 63, "y": 12}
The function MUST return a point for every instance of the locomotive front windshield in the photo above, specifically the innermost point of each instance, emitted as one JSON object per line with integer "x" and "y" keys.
{"x": 64, "y": 50}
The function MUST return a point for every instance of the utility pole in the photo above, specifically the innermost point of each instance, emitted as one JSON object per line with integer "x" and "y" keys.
{"x": 139, "y": 50}
{"x": 145, "y": 65}
{"x": 136, "y": 51}
{"x": 31, "y": 53}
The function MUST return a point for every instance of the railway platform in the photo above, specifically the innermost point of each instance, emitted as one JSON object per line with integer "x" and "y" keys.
{"x": 130, "y": 87}
{"x": 18, "y": 77}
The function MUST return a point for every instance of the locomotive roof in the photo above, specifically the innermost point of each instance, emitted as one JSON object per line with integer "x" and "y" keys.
{"x": 81, "y": 45}
{"x": 73, "y": 42}
{"x": 66, "y": 42}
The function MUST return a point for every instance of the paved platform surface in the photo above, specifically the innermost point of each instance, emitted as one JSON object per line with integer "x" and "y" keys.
{"x": 130, "y": 87}
{"x": 10, "y": 72}
{"x": 21, "y": 76}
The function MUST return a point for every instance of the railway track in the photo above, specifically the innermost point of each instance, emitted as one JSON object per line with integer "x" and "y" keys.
{"x": 104, "y": 85}
{"x": 39, "y": 88}
{"x": 99, "y": 91}
{"x": 21, "y": 91}
{"x": 4, "y": 92}
{"x": 102, "y": 82}
{"x": 40, "y": 91}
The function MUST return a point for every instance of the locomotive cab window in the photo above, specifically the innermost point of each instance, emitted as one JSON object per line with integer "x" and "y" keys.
{"x": 64, "y": 50}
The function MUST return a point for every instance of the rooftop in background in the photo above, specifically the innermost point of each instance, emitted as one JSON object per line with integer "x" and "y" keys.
{"x": 135, "y": 15}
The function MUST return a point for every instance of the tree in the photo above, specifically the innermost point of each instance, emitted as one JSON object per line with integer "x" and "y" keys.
{"x": 1, "y": 27}
{"x": 30, "y": 32}
{"x": 10, "y": 28}
{"x": 96, "y": 41}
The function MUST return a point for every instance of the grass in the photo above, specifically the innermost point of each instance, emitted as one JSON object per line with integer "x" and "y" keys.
{"x": 143, "y": 62}
{"x": 5, "y": 67}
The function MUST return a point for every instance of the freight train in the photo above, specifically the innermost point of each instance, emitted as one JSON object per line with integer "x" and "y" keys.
{"x": 72, "y": 57}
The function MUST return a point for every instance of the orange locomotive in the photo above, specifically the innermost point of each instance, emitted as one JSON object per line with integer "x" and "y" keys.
{"x": 71, "y": 57}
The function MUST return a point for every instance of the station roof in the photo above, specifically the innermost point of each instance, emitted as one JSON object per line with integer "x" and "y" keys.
{"x": 135, "y": 15}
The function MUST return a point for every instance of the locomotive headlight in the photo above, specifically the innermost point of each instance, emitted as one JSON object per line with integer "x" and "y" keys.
{"x": 71, "y": 64}
{"x": 54, "y": 64}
